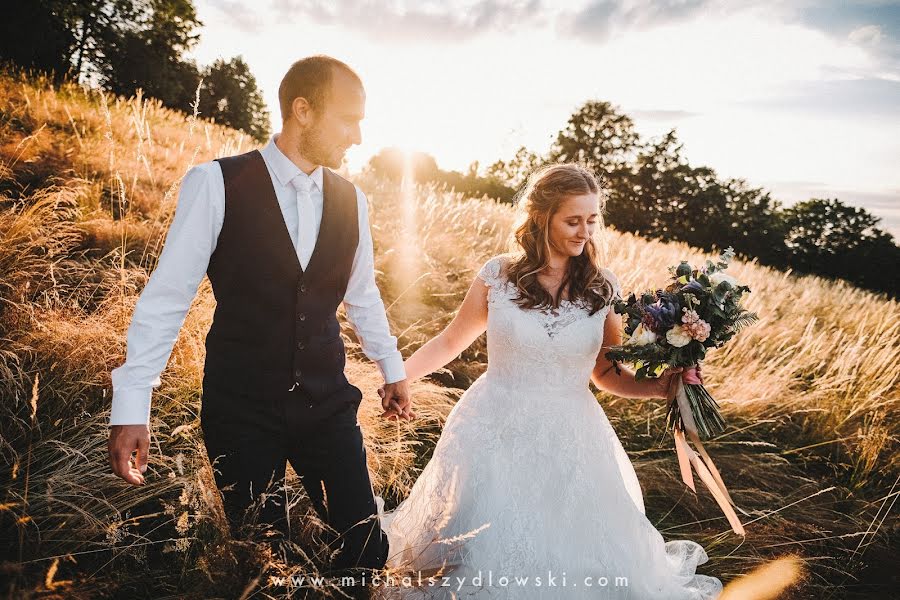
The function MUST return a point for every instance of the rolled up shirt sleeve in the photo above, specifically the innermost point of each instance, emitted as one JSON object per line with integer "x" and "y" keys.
{"x": 164, "y": 303}
{"x": 365, "y": 308}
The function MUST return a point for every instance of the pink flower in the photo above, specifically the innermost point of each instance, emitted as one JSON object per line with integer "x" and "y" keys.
{"x": 694, "y": 326}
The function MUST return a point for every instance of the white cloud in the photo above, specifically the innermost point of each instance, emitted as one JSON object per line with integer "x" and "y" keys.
{"x": 397, "y": 20}
{"x": 866, "y": 35}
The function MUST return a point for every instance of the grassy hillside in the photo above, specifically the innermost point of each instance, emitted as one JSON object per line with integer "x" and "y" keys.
{"x": 87, "y": 190}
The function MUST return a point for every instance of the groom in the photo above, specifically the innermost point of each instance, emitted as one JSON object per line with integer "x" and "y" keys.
{"x": 284, "y": 241}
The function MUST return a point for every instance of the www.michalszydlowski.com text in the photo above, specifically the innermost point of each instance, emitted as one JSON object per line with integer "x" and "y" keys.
{"x": 486, "y": 579}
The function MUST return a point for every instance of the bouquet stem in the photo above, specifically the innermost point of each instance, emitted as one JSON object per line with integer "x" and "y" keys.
{"x": 704, "y": 411}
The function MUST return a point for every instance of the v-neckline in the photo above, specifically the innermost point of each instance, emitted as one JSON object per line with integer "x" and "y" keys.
{"x": 544, "y": 317}
{"x": 540, "y": 316}
{"x": 324, "y": 227}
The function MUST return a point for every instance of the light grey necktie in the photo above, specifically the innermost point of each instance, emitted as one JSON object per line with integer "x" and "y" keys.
{"x": 306, "y": 226}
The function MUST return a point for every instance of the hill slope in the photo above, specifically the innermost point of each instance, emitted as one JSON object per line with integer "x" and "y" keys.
{"x": 87, "y": 190}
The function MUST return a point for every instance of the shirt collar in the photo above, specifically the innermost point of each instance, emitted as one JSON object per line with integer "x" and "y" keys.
{"x": 285, "y": 170}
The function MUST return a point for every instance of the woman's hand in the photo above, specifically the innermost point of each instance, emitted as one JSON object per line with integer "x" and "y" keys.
{"x": 667, "y": 382}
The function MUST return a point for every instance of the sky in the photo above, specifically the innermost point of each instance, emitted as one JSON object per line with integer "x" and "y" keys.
{"x": 801, "y": 98}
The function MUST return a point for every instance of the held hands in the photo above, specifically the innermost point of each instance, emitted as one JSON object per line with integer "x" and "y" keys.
{"x": 396, "y": 401}
{"x": 123, "y": 440}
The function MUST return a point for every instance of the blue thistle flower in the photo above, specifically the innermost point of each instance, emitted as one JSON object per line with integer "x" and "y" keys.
{"x": 661, "y": 315}
{"x": 693, "y": 286}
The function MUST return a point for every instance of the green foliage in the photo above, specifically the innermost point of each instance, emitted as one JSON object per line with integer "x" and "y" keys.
{"x": 57, "y": 41}
{"x": 127, "y": 44}
{"x": 655, "y": 192}
{"x": 394, "y": 164}
{"x": 474, "y": 185}
{"x": 145, "y": 60}
{"x": 828, "y": 237}
{"x": 140, "y": 47}
{"x": 514, "y": 173}
{"x": 391, "y": 163}
{"x": 230, "y": 96}
{"x": 598, "y": 136}
{"x": 744, "y": 319}
{"x": 662, "y": 196}
{"x": 130, "y": 45}
{"x": 714, "y": 296}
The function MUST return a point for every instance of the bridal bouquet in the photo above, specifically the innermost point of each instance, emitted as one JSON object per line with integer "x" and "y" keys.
{"x": 674, "y": 327}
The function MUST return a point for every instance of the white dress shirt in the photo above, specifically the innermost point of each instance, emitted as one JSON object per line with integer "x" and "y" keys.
{"x": 191, "y": 240}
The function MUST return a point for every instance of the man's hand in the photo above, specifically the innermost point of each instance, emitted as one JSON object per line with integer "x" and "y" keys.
{"x": 396, "y": 401}
{"x": 123, "y": 440}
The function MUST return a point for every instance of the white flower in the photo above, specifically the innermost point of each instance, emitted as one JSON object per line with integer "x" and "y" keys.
{"x": 678, "y": 336}
{"x": 717, "y": 277}
{"x": 641, "y": 337}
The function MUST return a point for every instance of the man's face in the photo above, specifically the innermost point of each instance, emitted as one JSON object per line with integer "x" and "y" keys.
{"x": 336, "y": 126}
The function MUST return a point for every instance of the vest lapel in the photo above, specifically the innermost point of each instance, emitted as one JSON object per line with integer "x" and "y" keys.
{"x": 327, "y": 225}
{"x": 275, "y": 208}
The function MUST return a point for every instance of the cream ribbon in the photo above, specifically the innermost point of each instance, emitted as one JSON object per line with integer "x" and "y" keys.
{"x": 701, "y": 462}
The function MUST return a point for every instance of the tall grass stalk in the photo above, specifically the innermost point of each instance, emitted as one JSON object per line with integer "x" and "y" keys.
{"x": 87, "y": 191}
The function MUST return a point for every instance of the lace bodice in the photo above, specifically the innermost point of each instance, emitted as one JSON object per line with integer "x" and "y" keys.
{"x": 539, "y": 348}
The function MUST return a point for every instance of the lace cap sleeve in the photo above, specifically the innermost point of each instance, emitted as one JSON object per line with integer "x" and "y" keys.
{"x": 490, "y": 272}
{"x": 614, "y": 282}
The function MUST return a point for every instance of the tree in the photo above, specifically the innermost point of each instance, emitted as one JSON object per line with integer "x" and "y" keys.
{"x": 598, "y": 136}
{"x": 649, "y": 196}
{"x": 828, "y": 237}
{"x": 753, "y": 220}
{"x": 122, "y": 45}
{"x": 514, "y": 173}
{"x": 393, "y": 163}
{"x": 655, "y": 192}
{"x": 665, "y": 197}
{"x": 230, "y": 96}
{"x": 51, "y": 50}
{"x": 473, "y": 185}
{"x": 145, "y": 51}
{"x": 130, "y": 45}
{"x": 142, "y": 62}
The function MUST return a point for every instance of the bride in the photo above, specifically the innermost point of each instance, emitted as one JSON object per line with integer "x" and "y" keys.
{"x": 529, "y": 493}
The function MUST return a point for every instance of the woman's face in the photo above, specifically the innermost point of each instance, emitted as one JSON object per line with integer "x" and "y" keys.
{"x": 573, "y": 224}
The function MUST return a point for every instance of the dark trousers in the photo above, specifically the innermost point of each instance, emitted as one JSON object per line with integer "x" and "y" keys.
{"x": 250, "y": 437}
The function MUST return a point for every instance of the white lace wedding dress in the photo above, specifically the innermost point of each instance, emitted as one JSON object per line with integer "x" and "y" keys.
{"x": 529, "y": 479}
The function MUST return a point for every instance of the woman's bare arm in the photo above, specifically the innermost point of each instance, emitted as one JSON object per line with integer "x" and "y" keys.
{"x": 623, "y": 384}
{"x": 469, "y": 323}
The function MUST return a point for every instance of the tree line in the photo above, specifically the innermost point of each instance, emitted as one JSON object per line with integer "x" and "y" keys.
{"x": 126, "y": 45}
{"x": 656, "y": 193}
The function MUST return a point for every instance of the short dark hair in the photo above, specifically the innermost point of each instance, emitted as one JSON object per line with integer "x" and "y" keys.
{"x": 309, "y": 78}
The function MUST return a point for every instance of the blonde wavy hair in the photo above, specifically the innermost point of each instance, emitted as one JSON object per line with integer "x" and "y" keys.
{"x": 546, "y": 189}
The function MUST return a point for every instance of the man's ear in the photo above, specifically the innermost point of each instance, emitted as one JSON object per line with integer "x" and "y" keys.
{"x": 302, "y": 110}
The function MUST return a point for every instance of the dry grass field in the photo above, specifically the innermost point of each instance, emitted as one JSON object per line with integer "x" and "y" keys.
{"x": 88, "y": 186}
